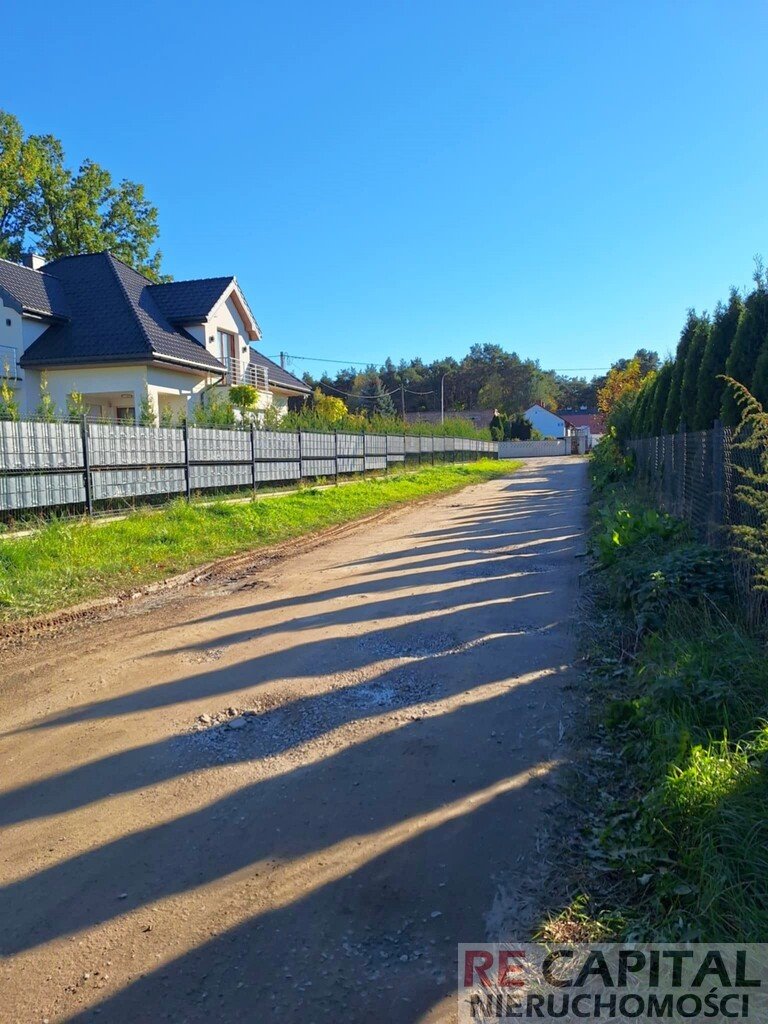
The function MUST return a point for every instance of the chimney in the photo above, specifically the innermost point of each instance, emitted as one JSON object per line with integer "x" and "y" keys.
{"x": 32, "y": 260}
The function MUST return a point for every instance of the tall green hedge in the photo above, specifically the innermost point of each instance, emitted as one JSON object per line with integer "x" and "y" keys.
{"x": 688, "y": 390}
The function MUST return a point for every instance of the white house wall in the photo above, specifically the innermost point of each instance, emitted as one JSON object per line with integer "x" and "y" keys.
{"x": 128, "y": 381}
{"x": 546, "y": 422}
{"x": 11, "y": 338}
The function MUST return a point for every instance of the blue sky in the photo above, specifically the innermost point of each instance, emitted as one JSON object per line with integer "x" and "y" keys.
{"x": 407, "y": 178}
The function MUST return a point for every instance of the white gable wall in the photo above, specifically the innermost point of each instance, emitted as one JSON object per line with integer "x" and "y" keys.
{"x": 227, "y": 318}
{"x": 546, "y": 422}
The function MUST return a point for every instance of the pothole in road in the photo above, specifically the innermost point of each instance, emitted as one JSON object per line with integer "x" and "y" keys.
{"x": 276, "y": 724}
{"x": 201, "y": 657}
{"x": 425, "y": 645}
{"x": 506, "y": 568}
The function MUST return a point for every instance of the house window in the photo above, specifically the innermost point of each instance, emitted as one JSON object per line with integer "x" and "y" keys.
{"x": 226, "y": 345}
{"x": 126, "y": 413}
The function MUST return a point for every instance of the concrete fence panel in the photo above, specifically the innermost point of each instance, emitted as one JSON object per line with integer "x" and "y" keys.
{"x": 533, "y": 449}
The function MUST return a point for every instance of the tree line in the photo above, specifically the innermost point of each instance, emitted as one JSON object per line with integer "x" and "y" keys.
{"x": 689, "y": 391}
{"x": 488, "y": 377}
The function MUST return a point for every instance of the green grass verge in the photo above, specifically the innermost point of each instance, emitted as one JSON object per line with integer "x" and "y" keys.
{"x": 675, "y": 833}
{"x": 70, "y": 561}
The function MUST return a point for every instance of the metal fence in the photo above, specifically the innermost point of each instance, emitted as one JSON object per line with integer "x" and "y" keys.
{"x": 83, "y": 466}
{"x": 694, "y": 476}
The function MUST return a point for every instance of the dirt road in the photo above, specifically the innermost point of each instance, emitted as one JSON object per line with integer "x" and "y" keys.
{"x": 381, "y": 720}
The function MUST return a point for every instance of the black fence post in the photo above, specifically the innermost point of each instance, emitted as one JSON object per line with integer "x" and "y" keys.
{"x": 253, "y": 457}
{"x": 683, "y": 476}
{"x": 336, "y": 457}
{"x": 717, "y": 504}
{"x": 187, "y": 471}
{"x": 301, "y": 465}
{"x": 433, "y": 449}
{"x": 420, "y": 446}
{"x": 87, "y": 478}
{"x": 405, "y": 453}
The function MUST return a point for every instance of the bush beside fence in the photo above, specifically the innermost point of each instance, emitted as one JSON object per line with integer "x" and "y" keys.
{"x": 80, "y": 466}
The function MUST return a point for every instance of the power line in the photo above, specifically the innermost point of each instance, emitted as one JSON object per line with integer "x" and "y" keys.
{"x": 350, "y": 362}
{"x": 351, "y": 394}
{"x": 318, "y": 359}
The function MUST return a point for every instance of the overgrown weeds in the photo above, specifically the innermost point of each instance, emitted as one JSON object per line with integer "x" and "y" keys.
{"x": 674, "y": 838}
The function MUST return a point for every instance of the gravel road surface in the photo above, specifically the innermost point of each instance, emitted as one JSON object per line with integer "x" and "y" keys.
{"x": 288, "y": 795}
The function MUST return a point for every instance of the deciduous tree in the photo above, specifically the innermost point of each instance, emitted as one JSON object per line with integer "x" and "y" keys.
{"x": 618, "y": 383}
{"x": 46, "y": 206}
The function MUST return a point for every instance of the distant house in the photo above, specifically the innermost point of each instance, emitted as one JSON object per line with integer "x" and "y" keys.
{"x": 548, "y": 423}
{"x": 479, "y": 418}
{"x": 564, "y": 424}
{"x": 94, "y": 325}
{"x": 593, "y": 421}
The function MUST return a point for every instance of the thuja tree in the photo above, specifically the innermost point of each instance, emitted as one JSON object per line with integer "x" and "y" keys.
{"x": 689, "y": 389}
{"x": 751, "y": 465}
{"x": 660, "y": 397}
{"x": 760, "y": 377}
{"x": 749, "y": 339}
{"x": 673, "y": 410}
{"x": 711, "y": 383}
{"x": 641, "y": 410}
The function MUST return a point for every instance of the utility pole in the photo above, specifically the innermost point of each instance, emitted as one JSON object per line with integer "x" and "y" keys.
{"x": 402, "y": 399}
{"x": 442, "y": 399}
{"x": 282, "y": 360}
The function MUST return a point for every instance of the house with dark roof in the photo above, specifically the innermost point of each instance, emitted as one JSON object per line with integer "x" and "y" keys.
{"x": 593, "y": 422}
{"x": 93, "y": 325}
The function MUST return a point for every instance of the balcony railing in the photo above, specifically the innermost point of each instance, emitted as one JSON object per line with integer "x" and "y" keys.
{"x": 240, "y": 372}
{"x": 9, "y": 363}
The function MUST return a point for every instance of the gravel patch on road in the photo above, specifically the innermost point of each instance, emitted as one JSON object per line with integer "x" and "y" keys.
{"x": 279, "y": 724}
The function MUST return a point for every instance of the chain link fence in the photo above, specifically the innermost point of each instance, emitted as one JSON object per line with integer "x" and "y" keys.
{"x": 695, "y": 477}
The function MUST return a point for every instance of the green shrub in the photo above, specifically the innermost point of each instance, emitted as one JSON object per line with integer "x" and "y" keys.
{"x": 608, "y": 463}
{"x": 622, "y": 531}
{"x": 214, "y": 411}
{"x": 244, "y": 397}
{"x": 9, "y": 405}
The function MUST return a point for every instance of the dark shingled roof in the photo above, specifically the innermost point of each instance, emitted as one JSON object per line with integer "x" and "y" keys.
{"x": 278, "y": 376}
{"x": 114, "y": 318}
{"x": 189, "y": 301}
{"x": 36, "y": 291}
